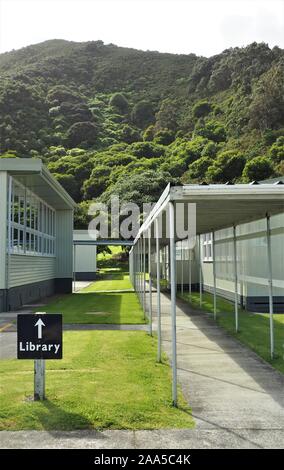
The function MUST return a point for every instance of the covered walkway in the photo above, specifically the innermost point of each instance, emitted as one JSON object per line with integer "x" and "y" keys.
{"x": 184, "y": 214}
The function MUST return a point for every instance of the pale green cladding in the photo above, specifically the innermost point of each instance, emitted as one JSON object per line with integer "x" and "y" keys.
{"x": 64, "y": 243}
{"x": 30, "y": 269}
{"x": 3, "y": 228}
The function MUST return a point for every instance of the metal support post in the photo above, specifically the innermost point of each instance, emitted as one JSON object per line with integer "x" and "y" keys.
{"x": 270, "y": 285}
{"x": 150, "y": 281}
{"x": 159, "y": 356}
{"x": 200, "y": 271}
{"x": 173, "y": 301}
{"x": 236, "y": 281}
{"x": 214, "y": 275}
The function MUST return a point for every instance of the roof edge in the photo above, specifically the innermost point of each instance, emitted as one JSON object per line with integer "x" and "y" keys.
{"x": 26, "y": 166}
{"x": 57, "y": 187}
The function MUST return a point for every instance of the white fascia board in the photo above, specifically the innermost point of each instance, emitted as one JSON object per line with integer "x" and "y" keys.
{"x": 241, "y": 191}
{"x": 21, "y": 165}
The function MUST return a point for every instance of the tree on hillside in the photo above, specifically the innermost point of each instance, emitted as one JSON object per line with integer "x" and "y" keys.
{"x": 119, "y": 102}
{"x": 213, "y": 130}
{"x": 143, "y": 114}
{"x": 81, "y": 132}
{"x": 267, "y": 106}
{"x": 139, "y": 187}
{"x": 220, "y": 78}
{"x": 23, "y": 118}
{"x": 70, "y": 184}
{"x": 210, "y": 149}
{"x": 197, "y": 170}
{"x": 147, "y": 149}
{"x": 258, "y": 168}
{"x": 167, "y": 116}
{"x": 81, "y": 217}
{"x": 129, "y": 134}
{"x": 228, "y": 166}
{"x": 164, "y": 137}
{"x": 97, "y": 183}
{"x": 149, "y": 133}
{"x": 61, "y": 93}
{"x": 201, "y": 109}
{"x": 277, "y": 150}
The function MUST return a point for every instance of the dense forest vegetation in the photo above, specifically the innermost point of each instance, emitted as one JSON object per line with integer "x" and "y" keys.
{"x": 107, "y": 119}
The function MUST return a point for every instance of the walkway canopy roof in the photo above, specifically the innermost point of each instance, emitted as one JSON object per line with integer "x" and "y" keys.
{"x": 32, "y": 173}
{"x": 217, "y": 206}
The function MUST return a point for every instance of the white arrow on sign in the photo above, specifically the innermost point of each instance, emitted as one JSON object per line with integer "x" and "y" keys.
{"x": 39, "y": 325}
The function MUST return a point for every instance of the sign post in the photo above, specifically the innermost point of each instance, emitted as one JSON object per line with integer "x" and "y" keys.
{"x": 39, "y": 367}
{"x": 39, "y": 337}
{"x": 39, "y": 379}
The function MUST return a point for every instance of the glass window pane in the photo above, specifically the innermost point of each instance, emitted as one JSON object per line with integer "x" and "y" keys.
{"x": 22, "y": 211}
{"x": 15, "y": 237}
{"x": 32, "y": 223}
{"x": 209, "y": 251}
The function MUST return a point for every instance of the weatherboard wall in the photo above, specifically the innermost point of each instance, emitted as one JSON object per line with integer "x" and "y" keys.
{"x": 3, "y": 228}
{"x": 252, "y": 264}
{"x": 25, "y": 269}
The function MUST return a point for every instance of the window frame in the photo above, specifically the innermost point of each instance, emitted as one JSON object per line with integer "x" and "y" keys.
{"x": 207, "y": 247}
{"x": 31, "y": 223}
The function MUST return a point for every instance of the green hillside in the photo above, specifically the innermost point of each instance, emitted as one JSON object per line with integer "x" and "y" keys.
{"x": 107, "y": 119}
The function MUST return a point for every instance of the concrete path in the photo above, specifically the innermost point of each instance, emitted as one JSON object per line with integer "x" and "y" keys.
{"x": 159, "y": 439}
{"x": 8, "y": 345}
{"x": 230, "y": 389}
{"x": 78, "y": 285}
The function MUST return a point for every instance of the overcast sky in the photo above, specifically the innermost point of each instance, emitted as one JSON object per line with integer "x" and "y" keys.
{"x": 204, "y": 27}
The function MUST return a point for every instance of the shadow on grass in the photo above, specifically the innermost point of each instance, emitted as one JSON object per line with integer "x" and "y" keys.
{"x": 254, "y": 330}
{"x": 54, "y": 418}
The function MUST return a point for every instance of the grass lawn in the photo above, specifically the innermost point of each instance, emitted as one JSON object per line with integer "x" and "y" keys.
{"x": 110, "y": 279}
{"x": 254, "y": 327}
{"x": 90, "y": 306}
{"x": 107, "y": 379}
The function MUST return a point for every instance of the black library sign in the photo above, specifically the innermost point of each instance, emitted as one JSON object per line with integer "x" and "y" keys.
{"x": 39, "y": 336}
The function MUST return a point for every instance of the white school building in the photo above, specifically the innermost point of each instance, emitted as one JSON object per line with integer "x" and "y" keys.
{"x": 36, "y": 227}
